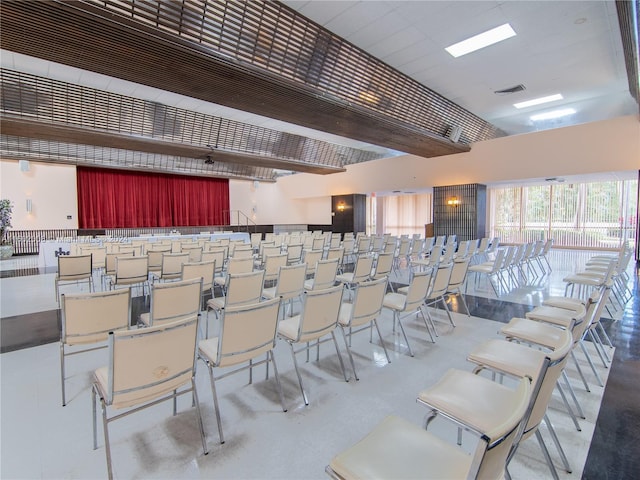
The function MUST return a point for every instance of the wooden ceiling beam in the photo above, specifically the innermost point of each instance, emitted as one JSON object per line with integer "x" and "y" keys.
{"x": 21, "y": 127}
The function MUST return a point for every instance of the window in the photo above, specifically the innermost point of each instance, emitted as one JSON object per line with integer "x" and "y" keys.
{"x": 587, "y": 215}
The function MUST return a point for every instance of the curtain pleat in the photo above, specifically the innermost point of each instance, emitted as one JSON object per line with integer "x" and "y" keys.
{"x": 125, "y": 199}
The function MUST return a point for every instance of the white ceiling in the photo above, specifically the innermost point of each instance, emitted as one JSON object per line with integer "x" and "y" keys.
{"x": 567, "y": 47}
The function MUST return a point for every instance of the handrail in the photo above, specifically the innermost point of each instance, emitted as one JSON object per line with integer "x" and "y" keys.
{"x": 241, "y": 219}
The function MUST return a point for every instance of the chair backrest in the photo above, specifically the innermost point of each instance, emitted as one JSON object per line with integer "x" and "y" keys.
{"x": 269, "y": 249}
{"x": 362, "y": 270}
{"x": 239, "y": 252}
{"x": 311, "y": 257}
{"x": 203, "y": 270}
{"x": 291, "y": 281}
{"x": 319, "y": 313}
{"x": 74, "y": 267}
{"x": 347, "y": 245}
{"x": 239, "y": 265}
{"x": 272, "y": 264}
{"x": 172, "y": 301}
{"x": 490, "y": 457}
{"x": 244, "y": 288}
{"x": 441, "y": 278}
{"x": 318, "y": 243}
{"x": 217, "y": 256}
{"x": 172, "y": 263}
{"x": 110, "y": 261}
{"x": 325, "y": 276}
{"x": 364, "y": 244}
{"x": 194, "y": 251}
{"x": 557, "y": 360}
{"x": 148, "y": 363}
{"x": 367, "y": 301}
{"x": 458, "y": 273}
{"x": 294, "y": 253}
{"x": 129, "y": 249}
{"x": 384, "y": 263}
{"x": 247, "y": 331}
{"x": 256, "y": 238}
{"x": 89, "y": 317}
{"x": 499, "y": 261}
{"x": 390, "y": 245}
{"x": 131, "y": 270}
{"x": 98, "y": 255}
{"x": 418, "y": 288}
{"x": 155, "y": 258}
{"x": 337, "y": 253}
{"x": 403, "y": 249}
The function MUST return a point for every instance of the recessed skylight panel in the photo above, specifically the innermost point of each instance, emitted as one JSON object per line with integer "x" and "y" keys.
{"x": 538, "y": 101}
{"x": 481, "y": 40}
{"x": 563, "y": 112}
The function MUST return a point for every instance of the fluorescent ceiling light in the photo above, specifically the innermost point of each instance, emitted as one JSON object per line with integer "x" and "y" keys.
{"x": 553, "y": 114}
{"x": 538, "y": 101}
{"x": 481, "y": 40}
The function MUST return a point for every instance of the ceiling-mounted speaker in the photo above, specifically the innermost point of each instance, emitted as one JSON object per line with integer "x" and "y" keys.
{"x": 453, "y": 133}
{"x": 24, "y": 165}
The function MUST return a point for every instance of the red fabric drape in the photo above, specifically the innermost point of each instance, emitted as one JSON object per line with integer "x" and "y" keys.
{"x": 126, "y": 199}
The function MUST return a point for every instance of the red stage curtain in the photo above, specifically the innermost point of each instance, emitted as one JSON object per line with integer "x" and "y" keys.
{"x": 129, "y": 199}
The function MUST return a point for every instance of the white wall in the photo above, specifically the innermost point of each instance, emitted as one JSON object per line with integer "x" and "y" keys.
{"x": 51, "y": 188}
{"x": 606, "y": 146}
{"x": 612, "y": 145}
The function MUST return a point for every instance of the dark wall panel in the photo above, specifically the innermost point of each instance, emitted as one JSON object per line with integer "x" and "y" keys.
{"x": 467, "y": 219}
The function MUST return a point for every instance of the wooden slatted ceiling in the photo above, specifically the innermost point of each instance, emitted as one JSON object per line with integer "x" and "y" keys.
{"x": 76, "y": 34}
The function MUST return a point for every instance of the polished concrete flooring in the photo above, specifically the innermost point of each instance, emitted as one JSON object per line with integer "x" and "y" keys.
{"x": 41, "y": 439}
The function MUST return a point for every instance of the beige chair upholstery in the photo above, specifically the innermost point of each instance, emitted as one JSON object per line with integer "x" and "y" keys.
{"x": 383, "y": 266}
{"x": 294, "y": 253}
{"x": 490, "y": 270}
{"x": 337, "y": 253}
{"x": 325, "y": 275}
{"x": 219, "y": 257}
{"x": 457, "y": 281}
{"x": 409, "y": 304}
{"x": 247, "y": 332}
{"x": 194, "y": 251}
{"x": 234, "y": 267}
{"x": 173, "y": 301}
{"x": 311, "y": 258}
{"x": 171, "y": 266}
{"x": 98, "y": 256}
{"x": 87, "y": 320}
{"x": 362, "y": 314}
{"x": 203, "y": 270}
{"x": 272, "y": 264}
{"x": 437, "y": 291}
{"x": 361, "y": 272}
{"x": 146, "y": 366}
{"x": 131, "y": 272}
{"x": 242, "y": 289}
{"x": 318, "y": 318}
{"x": 155, "y": 255}
{"x": 398, "y": 449}
{"x": 516, "y": 360}
{"x": 73, "y": 269}
{"x": 289, "y": 286}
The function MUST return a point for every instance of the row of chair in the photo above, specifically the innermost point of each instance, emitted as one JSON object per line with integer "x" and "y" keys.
{"x": 534, "y": 355}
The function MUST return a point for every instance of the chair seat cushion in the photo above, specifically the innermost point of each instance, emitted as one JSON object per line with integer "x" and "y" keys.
{"x": 476, "y": 401}
{"x": 344, "y": 317}
{"x": 216, "y": 303}
{"x": 399, "y": 449}
{"x": 269, "y": 292}
{"x": 394, "y": 301}
{"x": 556, "y": 316}
{"x": 208, "y": 349}
{"x": 145, "y": 318}
{"x": 289, "y": 327}
{"x": 534, "y": 332}
{"x": 509, "y": 357}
